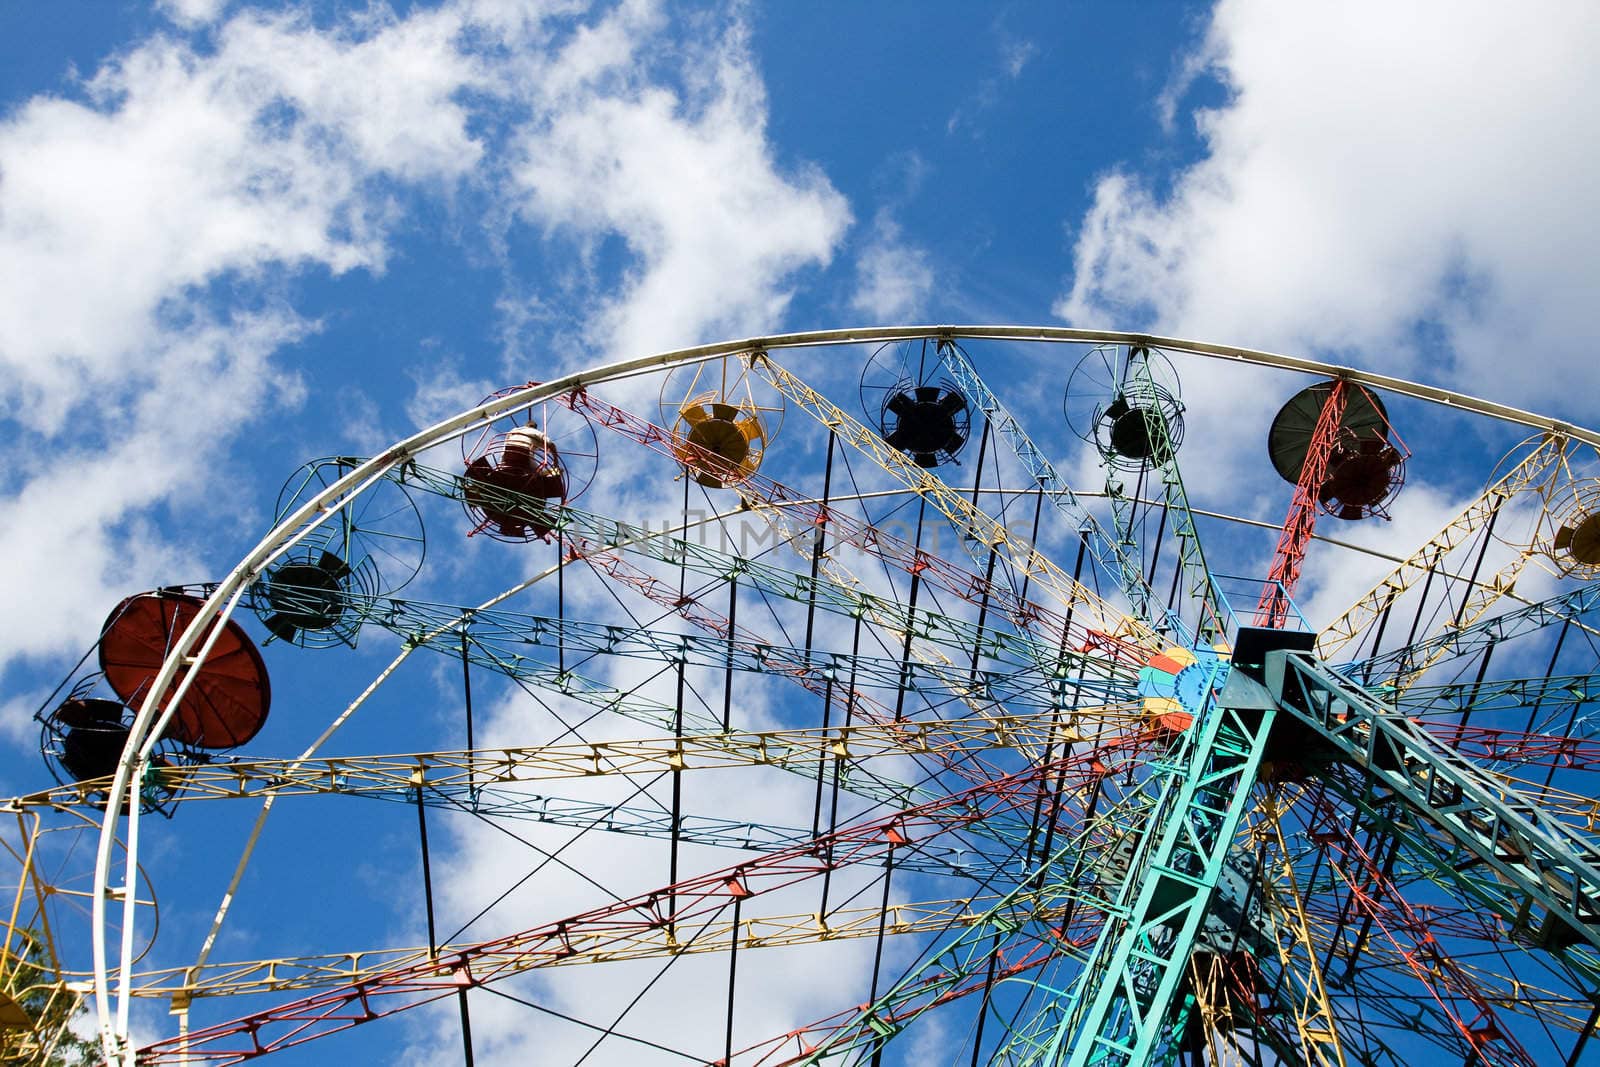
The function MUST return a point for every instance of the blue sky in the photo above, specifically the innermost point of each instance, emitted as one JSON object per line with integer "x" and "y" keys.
{"x": 236, "y": 237}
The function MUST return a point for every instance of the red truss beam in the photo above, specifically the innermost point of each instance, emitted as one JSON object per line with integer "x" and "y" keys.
{"x": 1054, "y": 628}
{"x": 1301, "y": 521}
{"x": 660, "y": 911}
{"x": 1123, "y": 651}
{"x": 1452, "y": 921}
{"x": 844, "y": 700}
{"x": 1514, "y": 746}
{"x": 1412, "y": 938}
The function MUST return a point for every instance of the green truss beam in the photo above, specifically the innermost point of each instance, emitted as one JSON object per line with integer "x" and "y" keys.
{"x": 1527, "y": 865}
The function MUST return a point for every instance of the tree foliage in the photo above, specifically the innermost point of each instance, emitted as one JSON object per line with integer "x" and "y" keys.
{"x": 32, "y": 984}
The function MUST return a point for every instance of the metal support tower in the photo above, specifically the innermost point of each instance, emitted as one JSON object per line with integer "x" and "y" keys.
{"x": 1532, "y": 869}
{"x": 1119, "y": 1009}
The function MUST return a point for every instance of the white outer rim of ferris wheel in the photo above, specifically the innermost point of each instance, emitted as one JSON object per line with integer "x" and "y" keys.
{"x": 148, "y": 722}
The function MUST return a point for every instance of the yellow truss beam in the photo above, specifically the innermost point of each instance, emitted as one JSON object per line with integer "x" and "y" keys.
{"x": 1576, "y": 808}
{"x": 1214, "y": 1002}
{"x": 1291, "y": 933}
{"x": 37, "y": 1004}
{"x": 1430, "y": 557}
{"x": 595, "y": 946}
{"x": 875, "y": 610}
{"x": 956, "y": 508}
{"x": 498, "y": 767}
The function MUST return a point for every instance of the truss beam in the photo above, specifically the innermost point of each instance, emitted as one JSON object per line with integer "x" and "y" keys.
{"x": 461, "y": 772}
{"x": 1498, "y": 696}
{"x": 585, "y": 533}
{"x": 1360, "y": 616}
{"x": 518, "y": 643}
{"x": 1400, "y": 667}
{"x": 1290, "y": 931}
{"x": 1531, "y": 868}
{"x": 1302, "y": 519}
{"x": 1208, "y": 626}
{"x": 289, "y": 973}
{"x": 1108, "y": 552}
{"x": 978, "y": 531}
{"x": 687, "y": 905}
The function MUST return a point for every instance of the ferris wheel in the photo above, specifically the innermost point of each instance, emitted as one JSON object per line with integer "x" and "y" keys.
{"x": 980, "y": 716}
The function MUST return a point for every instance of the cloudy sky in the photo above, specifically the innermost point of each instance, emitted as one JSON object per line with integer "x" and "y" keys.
{"x": 234, "y": 237}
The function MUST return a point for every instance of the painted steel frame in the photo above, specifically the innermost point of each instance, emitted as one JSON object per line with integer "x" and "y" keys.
{"x": 1106, "y": 550}
{"x": 1349, "y": 626}
{"x": 1198, "y": 587}
{"x": 1117, "y": 1011}
{"x": 1472, "y": 819}
{"x": 195, "y": 643}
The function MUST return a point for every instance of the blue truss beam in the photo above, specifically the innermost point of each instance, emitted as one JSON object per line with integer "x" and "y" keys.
{"x": 1119, "y": 1010}
{"x": 1110, "y": 554}
{"x": 1403, "y": 662}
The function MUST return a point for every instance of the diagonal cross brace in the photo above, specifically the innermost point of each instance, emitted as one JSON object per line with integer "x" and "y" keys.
{"x": 1120, "y": 1007}
{"x": 1198, "y": 588}
{"x": 1404, "y": 665}
{"x": 1106, "y": 551}
{"x": 1529, "y": 859}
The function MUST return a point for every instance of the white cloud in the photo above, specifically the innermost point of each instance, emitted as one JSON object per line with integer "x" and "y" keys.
{"x": 76, "y": 535}
{"x": 180, "y": 168}
{"x": 1014, "y": 56}
{"x": 1375, "y": 169}
{"x": 192, "y": 12}
{"x": 894, "y": 278}
{"x": 126, "y": 375}
{"x": 440, "y": 391}
{"x": 686, "y": 179}
{"x": 151, "y": 233}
